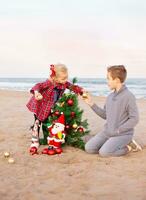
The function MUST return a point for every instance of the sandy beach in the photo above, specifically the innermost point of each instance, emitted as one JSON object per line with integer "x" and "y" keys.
{"x": 73, "y": 175}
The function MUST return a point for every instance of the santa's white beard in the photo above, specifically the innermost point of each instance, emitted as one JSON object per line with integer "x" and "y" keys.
{"x": 56, "y": 130}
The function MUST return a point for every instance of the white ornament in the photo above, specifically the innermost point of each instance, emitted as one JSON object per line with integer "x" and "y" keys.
{"x": 11, "y": 160}
{"x": 6, "y": 154}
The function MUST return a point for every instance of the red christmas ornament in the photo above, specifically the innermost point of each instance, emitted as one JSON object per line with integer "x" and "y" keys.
{"x": 80, "y": 129}
{"x": 72, "y": 114}
{"x": 56, "y": 113}
{"x": 51, "y": 152}
{"x": 70, "y": 102}
{"x": 33, "y": 150}
{"x": 45, "y": 151}
{"x": 67, "y": 126}
{"x": 58, "y": 150}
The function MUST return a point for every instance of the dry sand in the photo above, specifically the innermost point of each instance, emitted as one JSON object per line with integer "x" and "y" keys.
{"x": 73, "y": 175}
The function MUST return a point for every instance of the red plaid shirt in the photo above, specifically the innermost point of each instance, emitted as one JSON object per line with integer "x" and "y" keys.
{"x": 43, "y": 107}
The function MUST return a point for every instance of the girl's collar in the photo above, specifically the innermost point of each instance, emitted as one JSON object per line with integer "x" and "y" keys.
{"x": 58, "y": 85}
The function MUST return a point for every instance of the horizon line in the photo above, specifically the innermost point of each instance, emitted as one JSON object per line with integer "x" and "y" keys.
{"x": 69, "y": 77}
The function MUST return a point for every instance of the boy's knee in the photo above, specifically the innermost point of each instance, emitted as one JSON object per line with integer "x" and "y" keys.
{"x": 104, "y": 153}
{"x": 89, "y": 149}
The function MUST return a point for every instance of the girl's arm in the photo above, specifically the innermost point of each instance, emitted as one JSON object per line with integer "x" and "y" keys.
{"x": 75, "y": 88}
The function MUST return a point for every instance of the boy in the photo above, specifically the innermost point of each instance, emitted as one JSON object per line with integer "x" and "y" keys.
{"x": 121, "y": 114}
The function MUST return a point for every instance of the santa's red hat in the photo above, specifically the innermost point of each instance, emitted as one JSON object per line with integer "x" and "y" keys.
{"x": 61, "y": 119}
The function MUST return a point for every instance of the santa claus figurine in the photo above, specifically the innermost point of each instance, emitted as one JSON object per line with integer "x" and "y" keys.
{"x": 56, "y": 137}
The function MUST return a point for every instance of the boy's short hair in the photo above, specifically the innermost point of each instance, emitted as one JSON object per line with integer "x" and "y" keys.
{"x": 118, "y": 71}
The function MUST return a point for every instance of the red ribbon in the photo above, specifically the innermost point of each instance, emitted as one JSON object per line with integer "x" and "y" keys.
{"x": 53, "y": 73}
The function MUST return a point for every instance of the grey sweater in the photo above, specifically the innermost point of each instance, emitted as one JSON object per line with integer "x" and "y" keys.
{"x": 120, "y": 112}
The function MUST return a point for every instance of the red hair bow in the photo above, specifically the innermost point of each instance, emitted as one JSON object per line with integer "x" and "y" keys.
{"x": 52, "y": 71}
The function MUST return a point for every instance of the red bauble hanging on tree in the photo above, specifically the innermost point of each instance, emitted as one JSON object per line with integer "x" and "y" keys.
{"x": 56, "y": 113}
{"x": 72, "y": 114}
{"x": 67, "y": 127}
{"x": 70, "y": 102}
{"x": 80, "y": 129}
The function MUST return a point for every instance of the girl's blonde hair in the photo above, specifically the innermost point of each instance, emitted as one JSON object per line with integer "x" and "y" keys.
{"x": 59, "y": 68}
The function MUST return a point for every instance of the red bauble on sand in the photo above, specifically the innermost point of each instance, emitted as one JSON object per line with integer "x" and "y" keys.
{"x": 58, "y": 150}
{"x": 45, "y": 151}
{"x": 70, "y": 102}
{"x": 33, "y": 150}
{"x": 51, "y": 152}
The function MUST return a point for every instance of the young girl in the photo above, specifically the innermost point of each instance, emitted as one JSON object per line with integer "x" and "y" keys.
{"x": 45, "y": 95}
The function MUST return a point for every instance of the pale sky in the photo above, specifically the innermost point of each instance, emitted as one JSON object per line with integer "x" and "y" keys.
{"x": 86, "y": 35}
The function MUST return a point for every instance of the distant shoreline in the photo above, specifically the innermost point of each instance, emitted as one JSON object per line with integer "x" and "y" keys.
{"x": 27, "y": 92}
{"x": 96, "y": 86}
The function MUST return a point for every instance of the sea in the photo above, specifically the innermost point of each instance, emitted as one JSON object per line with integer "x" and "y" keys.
{"x": 96, "y": 86}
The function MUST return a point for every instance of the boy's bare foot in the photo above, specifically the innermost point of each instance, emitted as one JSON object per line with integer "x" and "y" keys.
{"x": 135, "y": 146}
{"x": 129, "y": 148}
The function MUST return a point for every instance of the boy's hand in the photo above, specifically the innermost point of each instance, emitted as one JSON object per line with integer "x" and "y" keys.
{"x": 38, "y": 95}
{"x": 87, "y": 98}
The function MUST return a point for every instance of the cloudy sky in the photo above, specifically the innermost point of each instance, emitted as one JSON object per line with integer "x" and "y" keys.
{"x": 86, "y": 35}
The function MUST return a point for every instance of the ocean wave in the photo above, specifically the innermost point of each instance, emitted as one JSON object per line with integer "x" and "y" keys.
{"x": 97, "y": 87}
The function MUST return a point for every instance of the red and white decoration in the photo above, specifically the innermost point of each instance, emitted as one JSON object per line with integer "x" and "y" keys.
{"x": 56, "y": 137}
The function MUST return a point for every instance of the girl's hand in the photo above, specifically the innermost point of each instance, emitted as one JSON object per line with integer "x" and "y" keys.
{"x": 38, "y": 95}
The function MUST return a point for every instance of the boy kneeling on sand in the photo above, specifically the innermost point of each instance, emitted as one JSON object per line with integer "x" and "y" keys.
{"x": 121, "y": 115}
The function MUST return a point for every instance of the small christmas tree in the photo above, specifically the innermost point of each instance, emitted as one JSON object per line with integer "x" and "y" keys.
{"x": 75, "y": 127}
